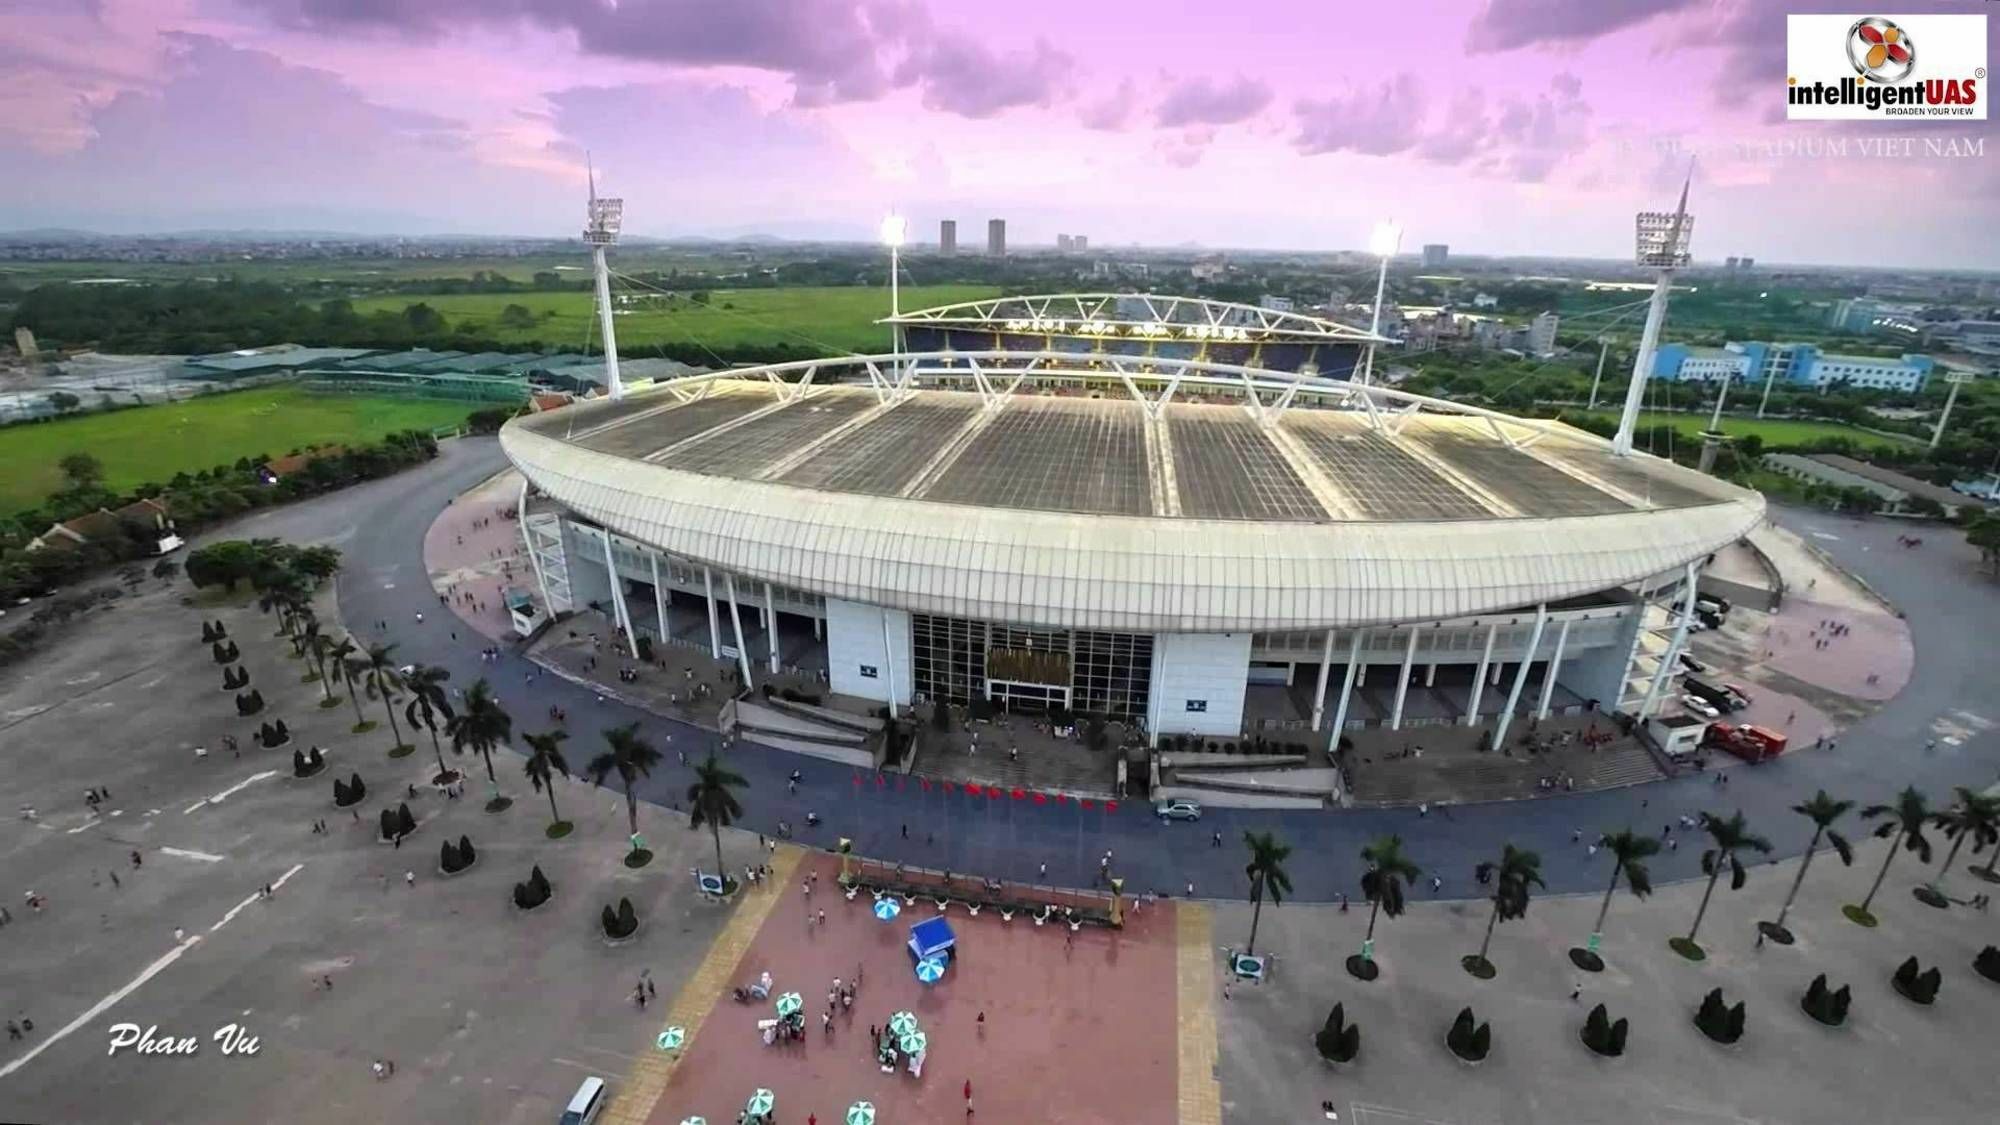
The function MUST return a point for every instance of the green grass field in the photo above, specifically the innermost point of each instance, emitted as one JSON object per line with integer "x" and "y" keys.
{"x": 835, "y": 318}
{"x": 152, "y": 443}
{"x": 1776, "y": 432}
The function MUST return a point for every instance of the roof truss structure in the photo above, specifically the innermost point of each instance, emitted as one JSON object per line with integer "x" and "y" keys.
{"x": 1162, "y": 316}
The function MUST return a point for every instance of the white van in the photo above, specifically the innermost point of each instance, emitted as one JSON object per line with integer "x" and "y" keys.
{"x": 587, "y": 1104}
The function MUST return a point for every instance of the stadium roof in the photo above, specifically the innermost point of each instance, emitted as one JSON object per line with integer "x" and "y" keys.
{"x": 1141, "y": 316}
{"x": 958, "y": 483}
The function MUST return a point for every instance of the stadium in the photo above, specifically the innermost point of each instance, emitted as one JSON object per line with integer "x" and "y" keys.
{"x": 1179, "y": 514}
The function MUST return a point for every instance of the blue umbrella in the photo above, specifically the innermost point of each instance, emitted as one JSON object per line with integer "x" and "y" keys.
{"x": 929, "y": 970}
{"x": 887, "y": 909}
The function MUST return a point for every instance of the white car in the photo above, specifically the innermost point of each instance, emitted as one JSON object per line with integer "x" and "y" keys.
{"x": 1177, "y": 810}
{"x": 1696, "y": 705}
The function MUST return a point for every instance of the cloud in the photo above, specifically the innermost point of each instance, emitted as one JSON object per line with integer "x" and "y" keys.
{"x": 1113, "y": 111}
{"x": 1374, "y": 122}
{"x": 958, "y": 74}
{"x": 1185, "y": 148}
{"x": 1504, "y": 25}
{"x": 1197, "y": 101}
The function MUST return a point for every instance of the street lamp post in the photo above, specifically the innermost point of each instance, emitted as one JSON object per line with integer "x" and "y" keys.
{"x": 1382, "y": 242}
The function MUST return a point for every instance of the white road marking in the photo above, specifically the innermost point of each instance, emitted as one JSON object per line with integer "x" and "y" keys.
{"x": 91, "y": 823}
{"x": 186, "y": 854}
{"x": 234, "y": 910}
{"x": 101, "y": 1006}
{"x": 1826, "y": 535}
{"x": 226, "y": 793}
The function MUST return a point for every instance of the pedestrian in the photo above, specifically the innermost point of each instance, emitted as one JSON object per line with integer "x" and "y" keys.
{"x": 1592, "y": 853}
{"x": 1343, "y": 902}
{"x": 13, "y": 1030}
{"x": 1423, "y": 808}
{"x": 114, "y": 880}
{"x": 906, "y": 831}
{"x": 1575, "y": 990}
{"x": 409, "y": 878}
{"x": 1437, "y": 883}
{"x": 1190, "y": 890}
{"x": 651, "y": 988}
{"x": 822, "y": 917}
{"x": 180, "y": 935}
{"x": 1575, "y": 835}
{"x": 981, "y": 1021}
{"x": 1215, "y": 840}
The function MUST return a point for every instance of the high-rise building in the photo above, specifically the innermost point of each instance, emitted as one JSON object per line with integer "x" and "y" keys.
{"x": 1435, "y": 254}
{"x": 1064, "y": 244}
{"x": 996, "y": 238}
{"x": 1080, "y": 243}
{"x": 948, "y": 236}
{"x": 1542, "y": 335}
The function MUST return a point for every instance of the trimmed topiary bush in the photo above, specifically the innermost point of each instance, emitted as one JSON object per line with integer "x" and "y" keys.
{"x": 449, "y": 860}
{"x": 622, "y": 923}
{"x": 465, "y": 850}
{"x": 1601, "y": 1035}
{"x": 389, "y": 826}
{"x": 1987, "y": 964}
{"x": 1339, "y": 1041}
{"x": 350, "y": 793}
{"x": 1828, "y": 1006}
{"x": 249, "y": 703}
{"x": 405, "y": 823}
{"x": 1469, "y": 1039}
{"x": 208, "y": 636}
{"x": 534, "y": 892}
{"x": 220, "y": 653}
{"x": 1718, "y": 1020}
{"x": 1917, "y": 984}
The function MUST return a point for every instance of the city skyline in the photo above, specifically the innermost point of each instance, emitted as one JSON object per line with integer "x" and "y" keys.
{"x": 1513, "y": 127}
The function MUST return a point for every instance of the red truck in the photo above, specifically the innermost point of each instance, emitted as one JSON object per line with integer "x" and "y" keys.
{"x": 1750, "y": 743}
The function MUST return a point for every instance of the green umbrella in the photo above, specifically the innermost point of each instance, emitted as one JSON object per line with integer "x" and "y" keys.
{"x": 861, "y": 1113}
{"x": 913, "y": 1043}
{"x": 902, "y": 1023}
{"x": 790, "y": 1002}
{"x": 671, "y": 1039}
{"x": 760, "y": 1102}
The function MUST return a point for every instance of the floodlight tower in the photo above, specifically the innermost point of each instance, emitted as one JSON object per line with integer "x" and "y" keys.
{"x": 1662, "y": 246}
{"x": 1956, "y": 379}
{"x": 605, "y": 217}
{"x": 894, "y": 231}
{"x": 1382, "y": 242}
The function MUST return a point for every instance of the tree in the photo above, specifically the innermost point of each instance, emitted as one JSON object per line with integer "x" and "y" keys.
{"x": 1513, "y": 873}
{"x": 1976, "y": 817}
{"x": 1902, "y": 825}
{"x": 351, "y": 669}
{"x": 423, "y": 319}
{"x": 383, "y": 680}
{"x": 1822, "y": 810}
{"x": 1267, "y": 877}
{"x": 64, "y": 402}
{"x": 631, "y": 758}
{"x": 517, "y": 316}
{"x": 482, "y": 725}
{"x": 1628, "y": 858}
{"x": 1388, "y": 871}
{"x": 221, "y": 564}
{"x": 1730, "y": 836}
{"x": 81, "y": 470}
{"x": 318, "y": 647}
{"x": 1984, "y": 533}
{"x": 545, "y": 761}
{"x": 711, "y": 802}
{"x": 429, "y": 706}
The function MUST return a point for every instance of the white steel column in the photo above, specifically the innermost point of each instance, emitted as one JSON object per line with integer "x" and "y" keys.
{"x": 1479, "y": 677}
{"x": 736, "y": 625}
{"x": 1325, "y": 667}
{"x": 1521, "y": 676}
{"x": 1555, "y": 664}
{"x": 659, "y": 599}
{"x": 1431, "y": 674}
{"x": 771, "y": 625}
{"x": 1347, "y": 686}
{"x": 618, "y": 593}
{"x": 889, "y": 664}
{"x": 714, "y": 629}
{"x": 534, "y": 556}
{"x": 1403, "y": 681}
{"x": 1673, "y": 655}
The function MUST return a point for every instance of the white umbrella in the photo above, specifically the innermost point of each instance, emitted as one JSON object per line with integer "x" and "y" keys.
{"x": 887, "y": 909}
{"x": 930, "y": 970}
{"x": 902, "y": 1023}
{"x": 914, "y": 1043}
{"x": 694, "y": 1121}
{"x": 861, "y": 1113}
{"x": 790, "y": 1002}
{"x": 760, "y": 1102}
{"x": 671, "y": 1039}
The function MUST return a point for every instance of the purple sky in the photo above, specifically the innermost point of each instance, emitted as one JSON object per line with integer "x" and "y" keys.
{"x": 1499, "y": 126}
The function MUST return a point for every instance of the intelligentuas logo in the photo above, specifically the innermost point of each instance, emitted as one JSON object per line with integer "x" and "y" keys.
{"x": 1906, "y": 67}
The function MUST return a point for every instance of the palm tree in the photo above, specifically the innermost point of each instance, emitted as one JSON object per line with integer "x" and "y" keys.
{"x": 1512, "y": 875}
{"x": 545, "y": 761}
{"x": 352, "y": 671}
{"x": 1629, "y": 851}
{"x": 1388, "y": 870}
{"x": 1267, "y": 877}
{"x": 380, "y": 663}
{"x": 710, "y": 802}
{"x": 319, "y": 646}
{"x": 1730, "y": 836}
{"x": 482, "y": 725}
{"x": 631, "y": 757}
{"x": 429, "y": 706}
{"x": 1822, "y": 810}
{"x": 1975, "y": 816}
{"x": 1902, "y": 824}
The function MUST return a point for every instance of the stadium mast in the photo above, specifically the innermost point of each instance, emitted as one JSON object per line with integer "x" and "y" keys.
{"x": 605, "y": 217}
{"x": 1662, "y": 245}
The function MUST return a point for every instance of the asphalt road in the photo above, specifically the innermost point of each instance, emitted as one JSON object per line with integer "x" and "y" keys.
{"x": 1952, "y": 610}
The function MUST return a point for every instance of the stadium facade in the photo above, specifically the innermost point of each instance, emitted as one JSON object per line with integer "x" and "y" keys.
{"x": 1098, "y": 502}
